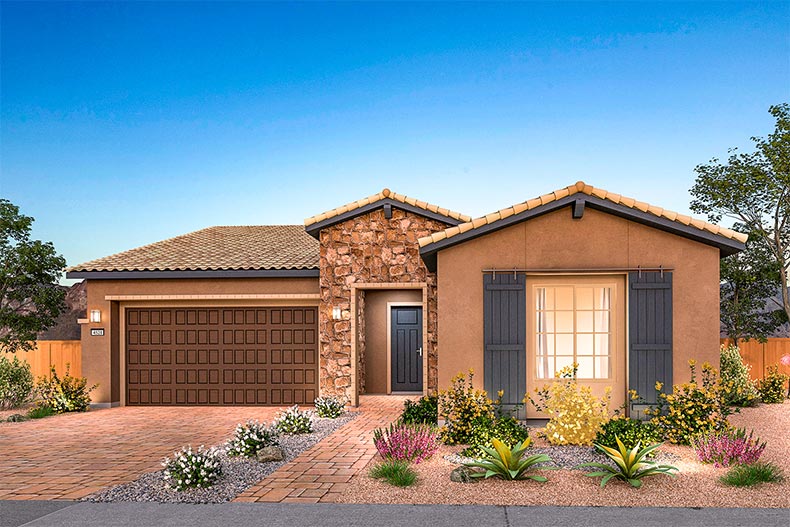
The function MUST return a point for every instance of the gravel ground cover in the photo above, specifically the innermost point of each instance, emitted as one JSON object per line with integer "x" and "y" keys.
{"x": 238, "y": 473}
{"x": 697, "y": 485}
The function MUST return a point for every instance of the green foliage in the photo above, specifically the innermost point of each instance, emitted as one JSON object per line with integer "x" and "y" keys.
{"x": 16, "y": 382}
{"x": 754, "y": 474}
{"x": 754, "y": 189}
{"x": 294, "y": 421}
{"x": 576, "y": 415}
{"x": 507, "y": 429}
{"x": 631, "y": 464}
{"x": 738, "y": 389}
{"x": 251, "y": 437}
{"x": 40, "y": 411}
{"x": 464, "y": 409}
{"x": 692, "y": 409}
{"x": 509, "y": 464}
{"x": 330, "y": 407}
{"x": 30, "y": 299}
{"x": 397, "y": 473}
{"x": 629, "y": 431}
{"x": 69, "y": 394}
{"x": 189, "y": 468}
{"x": 425, "y": 410}
{"x": 772, "y": 386}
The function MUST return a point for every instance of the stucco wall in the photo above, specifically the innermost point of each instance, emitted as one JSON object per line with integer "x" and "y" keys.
{"x": 376, "y": 335}
{"x": 557, "y": 241}
{"x": 101, "y": 356}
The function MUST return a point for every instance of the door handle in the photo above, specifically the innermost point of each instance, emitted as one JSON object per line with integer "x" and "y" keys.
{"x": 419, "y": 350}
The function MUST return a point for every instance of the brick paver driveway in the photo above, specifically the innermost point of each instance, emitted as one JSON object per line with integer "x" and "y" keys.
{"x": 73, "y": 455}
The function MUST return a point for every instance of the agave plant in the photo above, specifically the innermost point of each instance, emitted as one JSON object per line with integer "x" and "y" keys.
{"x": 631, "y": 464}
{"x": 508, "y": 463}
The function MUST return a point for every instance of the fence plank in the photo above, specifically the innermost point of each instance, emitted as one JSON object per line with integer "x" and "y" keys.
{"x": 762, "y": 355}
{"x": 55, "y": 352}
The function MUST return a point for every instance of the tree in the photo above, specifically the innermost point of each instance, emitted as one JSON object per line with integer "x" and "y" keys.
{"x": 748, "y": 281}
{"x": 754, "y": 190}
{"x": 30, "y": 298}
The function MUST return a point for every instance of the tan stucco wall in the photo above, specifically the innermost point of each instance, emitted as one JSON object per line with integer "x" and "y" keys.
{"x": 557, "y": 241}
{"x": 101, "y": 356}
{"x": 376, "y": 335}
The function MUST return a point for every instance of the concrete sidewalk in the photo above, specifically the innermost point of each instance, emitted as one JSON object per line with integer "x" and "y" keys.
{"x": 76, "y": 514}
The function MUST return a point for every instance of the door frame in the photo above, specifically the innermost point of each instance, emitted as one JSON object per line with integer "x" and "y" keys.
{"x": 390, "y": 305}
{"x": 620, "y": 329}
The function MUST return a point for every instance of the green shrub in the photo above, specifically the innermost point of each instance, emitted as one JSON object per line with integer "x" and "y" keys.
{"x": 330, "y": 407}
{"x": 507, "y": 429}
{"x": 396, "y": 473}
{"x": 772, "y": 387}
{"x": 16, "y": 382}
{"x": 748, "y": 475}
{"x": 464, "y": 408}
{"x": 40, "y": 411}
{"x": 192, "y": 468}
{"x": 630, "y": 432}
{"x": 294, "y": 421}
{"x": 576, "y": 415}
{"x": 738, "y": 389}
{"x": 424, "y": 411}
{"x": 631, "y": 464}
{"x": 692, "y": 409}
{"x": 69, "y": 394}
{"x": 509, "y": 464}
{"x": 251, "y": 437}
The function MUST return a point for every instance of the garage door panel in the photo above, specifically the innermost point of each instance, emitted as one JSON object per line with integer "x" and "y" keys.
{"x": 259, "y": 356}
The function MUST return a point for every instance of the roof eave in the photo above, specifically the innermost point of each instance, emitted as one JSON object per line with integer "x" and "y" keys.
{"x": 726, "y": 246}
{"x": 314, "y": 229}
{"x": 206, "y": 273}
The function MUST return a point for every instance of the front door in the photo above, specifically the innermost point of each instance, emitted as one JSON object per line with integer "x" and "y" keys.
{"x": 406, "y": 348}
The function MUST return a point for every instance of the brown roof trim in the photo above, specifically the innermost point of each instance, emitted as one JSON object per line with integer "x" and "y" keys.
{"x": 314, "y": 228}
{"x": 429, "y": 249}
{"x": 229, "y": 273}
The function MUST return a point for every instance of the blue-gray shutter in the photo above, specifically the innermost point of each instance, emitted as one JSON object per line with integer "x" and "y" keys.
{"x": 505, "y": 338}
{"x": 649, "y": 335}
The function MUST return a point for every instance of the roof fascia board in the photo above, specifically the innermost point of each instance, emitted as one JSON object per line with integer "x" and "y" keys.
{"x": 315, "y": 228}
{"x": 231, "y": 273}
{"x": 725, "y": 245}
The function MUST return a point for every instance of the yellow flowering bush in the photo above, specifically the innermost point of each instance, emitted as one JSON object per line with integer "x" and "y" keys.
{"x": 692, "y": 409}
{"x": 576, "y": 415}
{"x": 463, "y": 409}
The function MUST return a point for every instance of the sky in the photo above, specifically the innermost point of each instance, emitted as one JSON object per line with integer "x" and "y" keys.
{"x": 126, "y": 123}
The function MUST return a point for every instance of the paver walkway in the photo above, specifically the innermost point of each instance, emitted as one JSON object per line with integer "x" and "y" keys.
{"x": 321, "y": 473}
{"x": 70, "y": 456}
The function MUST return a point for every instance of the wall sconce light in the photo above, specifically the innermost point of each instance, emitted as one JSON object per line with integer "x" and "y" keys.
{"x": 337, "y": 314}
{"x": 95, "y": 315}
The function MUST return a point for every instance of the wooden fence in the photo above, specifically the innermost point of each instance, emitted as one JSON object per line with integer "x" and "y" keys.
{"x": 55, "y": 352}
{"x": 760, "y": 355}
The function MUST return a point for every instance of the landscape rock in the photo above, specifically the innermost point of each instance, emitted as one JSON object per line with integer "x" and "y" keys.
{"x": 270, "y": 453}
{"x": 461, "y": 474}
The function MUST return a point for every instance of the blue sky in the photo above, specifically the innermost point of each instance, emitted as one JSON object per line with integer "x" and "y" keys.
{"x": 124, "y": 124}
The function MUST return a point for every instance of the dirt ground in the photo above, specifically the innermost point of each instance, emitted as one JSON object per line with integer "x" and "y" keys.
{"x": 696, "y": 485}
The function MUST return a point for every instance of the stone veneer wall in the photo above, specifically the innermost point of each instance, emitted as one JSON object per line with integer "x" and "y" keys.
{"x": 369, "y": 249}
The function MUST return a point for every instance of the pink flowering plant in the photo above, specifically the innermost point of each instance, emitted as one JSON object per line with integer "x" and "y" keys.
{"x": 406, "y": 442}
{"x": 728, "y": 447}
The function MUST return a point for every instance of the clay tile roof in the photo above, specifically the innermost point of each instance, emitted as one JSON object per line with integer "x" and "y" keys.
{"x": 260, "y": 247}
{"x": 583, "y": 188}
{"x": 386, "y": 193}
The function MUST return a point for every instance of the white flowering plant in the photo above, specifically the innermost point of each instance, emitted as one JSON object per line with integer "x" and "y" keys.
{"x": 331, "y": 407}
{"x": 295, "y": 421}
{"x": 251, "y": 437}
{"x": 190, "y": 468}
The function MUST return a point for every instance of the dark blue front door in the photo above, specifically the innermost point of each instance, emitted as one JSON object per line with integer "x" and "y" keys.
{"x": 406, "y": 347}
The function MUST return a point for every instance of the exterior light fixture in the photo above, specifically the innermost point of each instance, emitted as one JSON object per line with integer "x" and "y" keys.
{"x": 337, "y": 314}
{"x": 95, "y": 315}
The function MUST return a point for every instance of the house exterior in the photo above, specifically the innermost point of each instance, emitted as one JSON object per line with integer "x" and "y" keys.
{"x": 390, "y": 294}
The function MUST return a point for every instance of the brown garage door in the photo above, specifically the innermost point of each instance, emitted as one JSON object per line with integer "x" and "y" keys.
{"x": 221, "y": 356}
